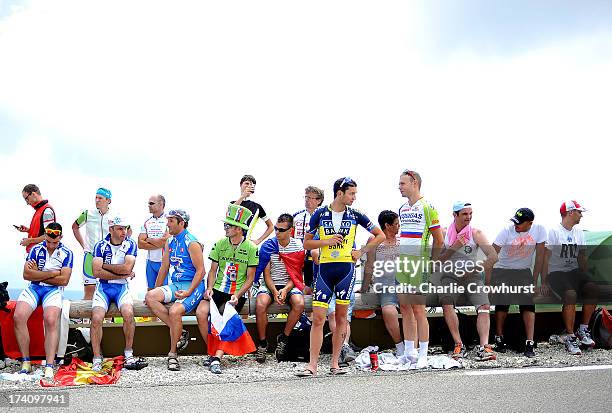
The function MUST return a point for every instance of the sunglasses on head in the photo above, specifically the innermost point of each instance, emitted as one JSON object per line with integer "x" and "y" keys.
{"x": 281, "y": 229}
{"x": 409, "y": 173}
{"x": 53, "y": 232}
{"x": 346, "y": 180}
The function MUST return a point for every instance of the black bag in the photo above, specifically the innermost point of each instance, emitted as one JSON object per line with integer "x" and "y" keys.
{"x": 78, "y": 346}
{"x": 298, "y": 347}
{"x": 601, "y": 328}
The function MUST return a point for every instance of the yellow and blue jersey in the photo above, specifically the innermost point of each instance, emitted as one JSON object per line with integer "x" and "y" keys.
{"x": 321, "y": 225}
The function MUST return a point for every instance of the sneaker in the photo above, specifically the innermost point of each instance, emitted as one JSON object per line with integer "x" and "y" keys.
{"x": 529, "y": 349}
{"x": 485, "y": 353}
{"x": 411, "y": 355}
{"x": 281, "y": 347}
{"x": 500, "y": 344}
{"x": 422, "y": 363}
{"x": 215, "y": 367}
{"x": 207, "y": 361}
{"x": 49, "y": 375}
{"x": 585, "y": 338}
{"x": 572, "y": 345}
{"x": 459, "y": 352}
{"x": 260, "y": 354}
{"x": 97, "y": 365}
{"x": 26, "y": 367}
{"x": 347, "y": 354}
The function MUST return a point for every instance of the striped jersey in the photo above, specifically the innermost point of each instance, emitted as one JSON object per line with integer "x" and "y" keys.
{"x": 416, "y": 223}
{"x": 62, "y": 257}
{"x": 114, "y": 254}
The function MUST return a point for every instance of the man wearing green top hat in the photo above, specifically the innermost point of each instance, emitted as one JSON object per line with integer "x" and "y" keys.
{"x": 232, "y": 271}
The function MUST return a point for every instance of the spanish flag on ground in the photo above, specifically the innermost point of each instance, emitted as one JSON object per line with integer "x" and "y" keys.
{"x": 79, "y": 373}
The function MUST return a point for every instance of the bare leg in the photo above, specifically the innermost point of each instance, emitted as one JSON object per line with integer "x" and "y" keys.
{"x": 202, "y": 317}
{"x": 129, "y": 325}
{"x": 483, "y": 324}
{"x": 452, "y": 321}
{"x": 339, "y": 336}
{"x": 568, "y": 312}
{"x": 51, "y": 318}
{"x": 529, "y": 321}
{"x": 261, "y": 314}
{"x": 389, "y": 313}
{"x": 176, "y": 324}
{"x": 155, "y": 301}
{"x": 500, "y": 320}
{"x": 88, "y": 291}
{"x": 23, "y": 311}
{"x": 422, "y": 323}
{"x": 297, "y": 308}
{"x": 331, "y": 321}
{"x": 97, "y": 317}
{"x": 316, "y": 336}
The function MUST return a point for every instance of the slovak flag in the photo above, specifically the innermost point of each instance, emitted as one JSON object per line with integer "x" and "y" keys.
{"x": 227, "y": 332}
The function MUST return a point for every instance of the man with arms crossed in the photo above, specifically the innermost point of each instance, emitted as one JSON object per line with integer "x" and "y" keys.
{"x": 153, "y": 236}
{"x": 113, "y": 263}
{"x": 48, "y": 269}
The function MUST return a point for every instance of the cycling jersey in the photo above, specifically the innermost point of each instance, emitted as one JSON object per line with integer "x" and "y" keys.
{"x": 114, "y": 254}
{"x": 96, "y": 226}
{"x": 180, "y": 260}
{"x": 301, "y": 224}
{"x": 38, "y": 292}
{"x": 233, "y": 263}
{"x": 155, "y": 228}
{"x": 416, "y": 223}
{"x": 322, "y": 224}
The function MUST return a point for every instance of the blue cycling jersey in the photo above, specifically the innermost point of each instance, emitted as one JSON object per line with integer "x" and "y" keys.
{"x": 180, "y": 260}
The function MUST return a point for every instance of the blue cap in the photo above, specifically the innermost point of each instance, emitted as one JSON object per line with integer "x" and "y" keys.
{"x": 459, "y": 205}
{"x": 106, "y": 193}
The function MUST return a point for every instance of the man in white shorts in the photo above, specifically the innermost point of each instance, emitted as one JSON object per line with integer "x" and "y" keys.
{"x": 48, "y": 268}
{"x": 113, "y": 263}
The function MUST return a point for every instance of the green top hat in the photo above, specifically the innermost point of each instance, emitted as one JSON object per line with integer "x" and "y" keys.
{"x": 237, "y": 215}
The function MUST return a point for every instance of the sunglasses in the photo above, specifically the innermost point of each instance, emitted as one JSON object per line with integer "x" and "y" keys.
{"x": 281, "y": 229}
{"x": 409, "y": 173}
{"x": 152, "y": 203}
{"x": 56, "y": 232}
{"x": 346, "y": 181}
{"x": 226, "y": 225}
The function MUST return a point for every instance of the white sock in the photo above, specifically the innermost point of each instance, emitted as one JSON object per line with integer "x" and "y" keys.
{"x": 128, "y": 353}
{"x": 423, "y": 345}
{"x": 399, "y": 349}
{"x": 408, "y": 346}
{"x": 583, "y": 327}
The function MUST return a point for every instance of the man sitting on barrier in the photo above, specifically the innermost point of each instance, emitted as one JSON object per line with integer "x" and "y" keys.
{"x": 113, "y": 263}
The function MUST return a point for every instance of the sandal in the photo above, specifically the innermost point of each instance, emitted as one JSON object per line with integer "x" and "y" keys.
{"x": 333, "y": 371}
{"x": 173, "y": 364}
{"x": 183, "y": 341}
{"x": 305, "y": 372}
{"x": 134, "y": 363}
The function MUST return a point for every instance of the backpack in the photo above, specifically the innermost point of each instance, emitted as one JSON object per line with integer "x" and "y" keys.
{"x": 601, "y": 328}
{"x": 78, "y": 346}
{"x": 298, "y": 348}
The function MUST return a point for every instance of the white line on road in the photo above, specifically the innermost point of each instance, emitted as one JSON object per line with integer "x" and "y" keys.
{"x": 536, "y": 370}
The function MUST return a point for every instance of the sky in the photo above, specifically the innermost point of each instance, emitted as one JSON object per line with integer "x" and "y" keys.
{"x": 502, "y": 104}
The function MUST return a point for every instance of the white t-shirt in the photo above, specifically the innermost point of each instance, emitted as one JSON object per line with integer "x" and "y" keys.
{"x": 517, "y": 248}
{"x": 564, "y": 245}
{"x": 337, "y": 220}
{"x": 155, "y": 228}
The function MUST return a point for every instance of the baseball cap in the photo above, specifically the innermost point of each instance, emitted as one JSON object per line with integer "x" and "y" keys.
{"x": 459, "y": 205}
{"x": 118, "y": 220}
{"x": 568, "y": 206}
{"x": 179, "y": 213}
{"x": 106, "y": 193}
{"x": 522, "y": 215}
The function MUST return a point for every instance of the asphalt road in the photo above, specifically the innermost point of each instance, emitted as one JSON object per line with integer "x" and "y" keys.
{"x": 479, "y": 391}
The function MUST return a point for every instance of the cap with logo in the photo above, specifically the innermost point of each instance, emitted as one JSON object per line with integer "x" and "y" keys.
{"x": 118, "y": 221}
{"x": 238, "y": 216}
{"x": 568, "y": 206}
{"x": 178, "y": 213}
{"x": 459, "y": 205}
{"x": 522, "y": 215}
